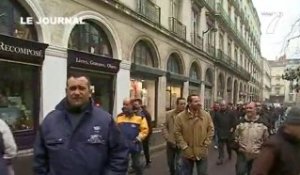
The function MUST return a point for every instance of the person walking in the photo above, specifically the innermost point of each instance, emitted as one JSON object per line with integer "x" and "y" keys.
{"x": 194, "y": 131}
{"x": 8, "y": 149}
{"x": 135, "y": 129}
{"x": 141, "y": 110}
{"x": 169, "y": 135}
{"x": 225, "y": 121}
{"x": 215, "y": 109}
{"x": 79, "y": 138}
{"x": 280, "y": 155}
{"x": 249, "y": 134}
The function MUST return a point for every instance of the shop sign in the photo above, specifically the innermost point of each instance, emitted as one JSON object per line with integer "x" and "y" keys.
{"x": 94, "y": 62}
{"x": 21, "y": 50}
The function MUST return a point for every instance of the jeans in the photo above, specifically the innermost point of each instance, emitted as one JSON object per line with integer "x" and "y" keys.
{"x": 186, "y": 166}
{"x": 172, "y": 158}
{"x": 137, "y": 163}
{"x": 243, "y": 166}
{"x": 222, "y": 143}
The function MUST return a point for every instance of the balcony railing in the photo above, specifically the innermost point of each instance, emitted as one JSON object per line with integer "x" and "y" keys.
{"x": 177, "y": 27}
{"x": 226, "y": 61}
{"x": 149, "y": 10}
{"x": 197, "y": 40}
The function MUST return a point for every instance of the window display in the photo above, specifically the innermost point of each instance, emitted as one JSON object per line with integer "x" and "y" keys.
{"x": 145, "y": 90}
{"x": 173, "y": 92}
{"x": 19, "y": 87}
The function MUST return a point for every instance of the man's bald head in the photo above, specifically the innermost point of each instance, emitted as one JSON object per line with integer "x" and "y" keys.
{"x": 251, "y": 109}
{"x": 127, "y": 103}
{"x": 223, "y": 105}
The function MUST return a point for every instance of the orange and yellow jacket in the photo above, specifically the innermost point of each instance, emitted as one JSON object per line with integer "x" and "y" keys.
{"x": 133, "y": 127}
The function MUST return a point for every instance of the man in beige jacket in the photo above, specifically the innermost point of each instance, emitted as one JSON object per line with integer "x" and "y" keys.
{"x": 168, "y": 133}
{"x": 194, "y": 131}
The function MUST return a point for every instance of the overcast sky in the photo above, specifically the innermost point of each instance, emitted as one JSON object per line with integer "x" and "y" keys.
{"x": 277, "y": 18}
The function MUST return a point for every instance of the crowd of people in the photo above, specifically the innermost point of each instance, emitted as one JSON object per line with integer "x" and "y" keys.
{"x": 263, "y": 142}
{"x": 79, "y": 138}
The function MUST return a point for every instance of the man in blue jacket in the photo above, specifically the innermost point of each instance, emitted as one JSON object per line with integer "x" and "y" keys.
{"x": 78, "y": 138}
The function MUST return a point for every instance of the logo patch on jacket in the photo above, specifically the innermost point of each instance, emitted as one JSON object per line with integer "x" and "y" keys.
{"x": 96, "y": 138}
{"x": 97, "y": 129}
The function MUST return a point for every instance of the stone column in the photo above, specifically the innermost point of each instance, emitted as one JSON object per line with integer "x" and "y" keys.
{"x": 54, "y": 77}
{"x": 122, "y": 86}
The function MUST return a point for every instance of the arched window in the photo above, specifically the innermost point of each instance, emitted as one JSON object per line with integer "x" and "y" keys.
{"x": 11, "y": 14}
{"x": 91, "y": 38}
{"x": 174, "y": 64}
{"x": 209, "y": 76}
{"x": 142, "y": 54}
{"x": 194, "y": 72}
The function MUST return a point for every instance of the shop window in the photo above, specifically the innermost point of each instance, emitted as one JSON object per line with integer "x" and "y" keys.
{"x": 19, "y": 95}
{"x": 10, "y": 18}
{"x": 90, "y": 38}
{"x": 144, "y": 90}
{"x": 174, "y": 91}
{"x": 174, "y": 64}
{"x": 142, "y": 54}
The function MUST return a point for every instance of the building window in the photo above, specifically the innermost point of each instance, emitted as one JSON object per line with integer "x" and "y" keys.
{"x": 229, "y": 48}
{"x": 174, "y": 64}
{"x": 10, "y": 15}
{"x": 174, "y": 9}
{"x": 221, "y": 41}
{"x": 143, "y": 55}
{"x": 144, "y": 89}
{"x": 19, "y": 85}
{"x": 194, "y": 72}
{"x": 90, "y": 38}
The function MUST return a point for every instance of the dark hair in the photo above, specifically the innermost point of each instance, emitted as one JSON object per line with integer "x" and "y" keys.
{"x": 189, "y": 99}
{"x": 78, "y": 75}
{"x": 138, "y": 100}
{"x": 178, "y": 99}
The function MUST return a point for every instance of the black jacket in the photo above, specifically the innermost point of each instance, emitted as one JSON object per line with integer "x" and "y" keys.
{"x": 224, "y": 122}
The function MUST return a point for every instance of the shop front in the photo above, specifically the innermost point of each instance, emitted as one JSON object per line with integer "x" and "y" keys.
{"x": 175, "y": 84}
{"x": 144, "y": 84}
{"x": 194, "y": 81}
{"x": 20, "y": 77}
{"x": 101, "y": 70}
{"x": 144, "y": 75}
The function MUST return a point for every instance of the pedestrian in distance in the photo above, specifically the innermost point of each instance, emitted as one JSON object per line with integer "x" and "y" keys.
{"x": 250, "y": 134}
{"x": 134, "y": 127}
{"x": 225, "y": 122}
{"x": 141, "y": 110}
{"x": 280, "y": 154}
{"x": 169, "y": 135}
{"x": 78, "y": 138}
{"x": 194, "y": 131}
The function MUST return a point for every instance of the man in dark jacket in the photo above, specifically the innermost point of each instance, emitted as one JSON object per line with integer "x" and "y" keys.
{"x": 224, "y": 124}
{"x": 79, "y": 138}
{"x": 280, "y": 155}
{"x": 137, "y": 106}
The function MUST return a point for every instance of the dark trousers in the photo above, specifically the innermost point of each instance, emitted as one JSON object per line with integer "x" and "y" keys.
{"x": 146, "y": 150}
{"x": 243, "y": 166}
{"x": 137, "y": 164}
{"x": 221, "y": 144}
{"x": 186, "y": 166}
{"x": 172, "y": 158}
